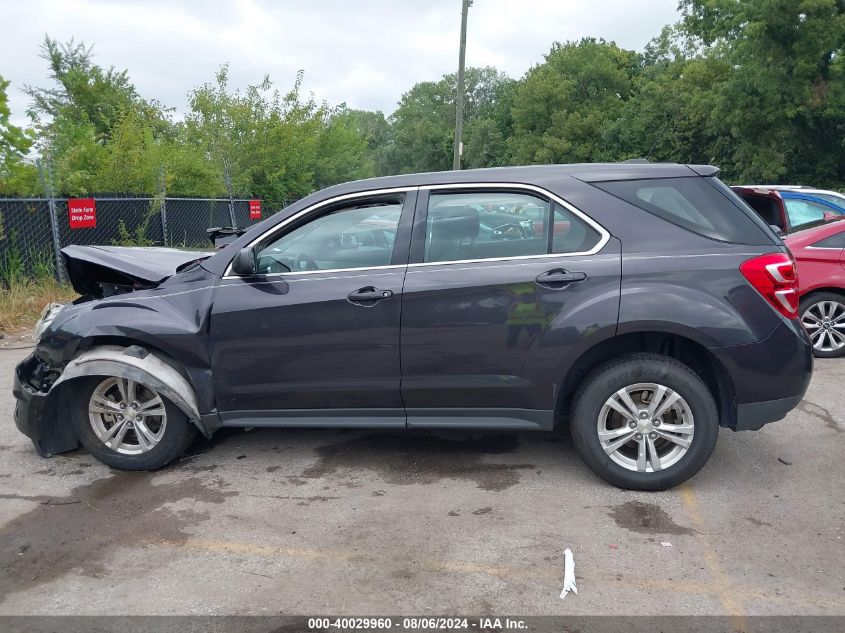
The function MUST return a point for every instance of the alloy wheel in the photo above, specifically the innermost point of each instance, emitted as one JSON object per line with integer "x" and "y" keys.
{"x": 645, "y": 427}
{"x": 825, "y": 323}
{"x": 128, "y": 417}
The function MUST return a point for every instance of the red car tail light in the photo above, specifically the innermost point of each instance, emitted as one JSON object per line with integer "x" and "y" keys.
{"x": 775, "y": 277}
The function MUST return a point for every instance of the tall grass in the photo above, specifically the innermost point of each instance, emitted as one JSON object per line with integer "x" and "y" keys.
{"x": 21, "y": 302}
{"x": 24, "y": 293}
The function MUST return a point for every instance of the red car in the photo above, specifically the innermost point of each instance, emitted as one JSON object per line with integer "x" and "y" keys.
{"x": 819, "y": 253}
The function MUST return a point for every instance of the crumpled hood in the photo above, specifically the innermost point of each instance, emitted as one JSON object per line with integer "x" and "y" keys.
{"x": 136, "y": 267}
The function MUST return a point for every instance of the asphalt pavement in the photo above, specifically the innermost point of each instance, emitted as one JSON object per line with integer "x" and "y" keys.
{"x": 376, "y": 522}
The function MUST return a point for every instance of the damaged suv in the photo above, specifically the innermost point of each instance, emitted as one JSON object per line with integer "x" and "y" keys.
{"x": 644, "y": 305}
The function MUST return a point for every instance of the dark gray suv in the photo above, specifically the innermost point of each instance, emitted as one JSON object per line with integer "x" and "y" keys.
{"x": 643, "y": 305}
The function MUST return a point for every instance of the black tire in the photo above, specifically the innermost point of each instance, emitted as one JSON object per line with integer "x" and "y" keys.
{"x": 178, "y": 432}
{"x": 630, "y": 370}
{"x": 814, "y": 300}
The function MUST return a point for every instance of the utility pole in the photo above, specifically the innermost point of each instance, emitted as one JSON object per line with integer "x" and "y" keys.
{"x": 459, "y": 98}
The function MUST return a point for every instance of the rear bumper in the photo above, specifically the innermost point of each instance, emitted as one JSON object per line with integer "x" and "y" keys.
{"x": 770, "y": 377}
{"x": 754, "y": 415}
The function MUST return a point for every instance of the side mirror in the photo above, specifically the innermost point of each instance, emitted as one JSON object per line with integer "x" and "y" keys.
{"x": 778, "y": 231}
{"x": 245, "y": 262}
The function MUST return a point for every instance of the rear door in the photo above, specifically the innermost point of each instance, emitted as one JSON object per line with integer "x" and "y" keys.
{"x": 505, "y": 284}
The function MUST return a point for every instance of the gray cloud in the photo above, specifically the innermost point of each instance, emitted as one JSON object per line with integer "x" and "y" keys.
{"x": 365, "y": 53}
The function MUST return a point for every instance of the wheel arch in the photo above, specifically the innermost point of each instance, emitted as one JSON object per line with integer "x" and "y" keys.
{"x": 683, "y": 349}
{"x": 821, "y": 290}
{"x": 133, "y": 362}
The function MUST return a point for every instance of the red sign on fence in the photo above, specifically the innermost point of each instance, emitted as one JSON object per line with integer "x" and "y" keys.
{"x": 82, "y": 213}
{"x": 255, "y": 209}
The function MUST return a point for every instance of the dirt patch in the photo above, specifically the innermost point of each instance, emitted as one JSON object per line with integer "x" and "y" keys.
{"x": 415, "y": 458}
{"x": 80, "y": 530}
{"x": 646, "y": 518}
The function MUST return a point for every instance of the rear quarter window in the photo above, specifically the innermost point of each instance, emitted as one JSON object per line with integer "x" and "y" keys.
{"x": 836, "y": 240}
{"x": 695, "y": 204}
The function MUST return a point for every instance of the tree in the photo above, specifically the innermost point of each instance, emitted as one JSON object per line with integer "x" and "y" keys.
{"x": 17, "y": 175}
{"x": 779, "y": 114}
{"x": 84, "y": 90}
{"x": 563, "y": 106}
{"x": 423, "y": 123}
{"x": 277, "y": 147}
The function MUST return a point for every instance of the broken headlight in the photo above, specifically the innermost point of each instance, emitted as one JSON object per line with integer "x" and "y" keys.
{"x": 47, "y": 315}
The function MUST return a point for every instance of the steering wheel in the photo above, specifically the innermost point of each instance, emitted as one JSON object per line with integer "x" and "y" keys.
{"x": 304, "y": 262}
{"x": 505, "y": 232}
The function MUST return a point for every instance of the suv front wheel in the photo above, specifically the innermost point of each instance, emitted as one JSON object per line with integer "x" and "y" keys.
{"x": 127, "y": 424}
{"x": 644, "y": 422}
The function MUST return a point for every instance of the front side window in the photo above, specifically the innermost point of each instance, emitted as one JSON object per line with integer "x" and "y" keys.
{"x": 494, "y": 225}
{"x": 359, "y": 235}
{"x": 804, "y": 211}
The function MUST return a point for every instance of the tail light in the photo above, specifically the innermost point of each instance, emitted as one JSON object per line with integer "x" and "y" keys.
{"x": 775, "y": 277}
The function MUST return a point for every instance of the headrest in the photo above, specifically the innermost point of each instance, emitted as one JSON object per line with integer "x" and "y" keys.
{"x": 454, "y": 223}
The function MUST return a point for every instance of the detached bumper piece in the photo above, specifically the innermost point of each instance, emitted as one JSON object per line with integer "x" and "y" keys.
{"x": 35, "y": 410}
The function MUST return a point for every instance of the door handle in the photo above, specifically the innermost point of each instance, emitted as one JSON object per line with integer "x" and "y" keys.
{"x": 369, "y": 294}
{"x": 559, "y": 278}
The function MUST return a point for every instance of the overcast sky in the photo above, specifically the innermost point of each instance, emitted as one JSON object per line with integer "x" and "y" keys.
{"x": 362, "y": 52}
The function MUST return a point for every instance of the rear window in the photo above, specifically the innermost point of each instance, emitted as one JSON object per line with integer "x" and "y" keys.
{"x": 694, "y": 204}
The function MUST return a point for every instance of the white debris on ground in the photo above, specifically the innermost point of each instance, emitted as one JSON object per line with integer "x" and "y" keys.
{"x": 568, "y": 574}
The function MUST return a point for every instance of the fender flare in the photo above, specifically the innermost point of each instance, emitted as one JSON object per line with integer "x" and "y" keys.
{"x": 139, "y": 364}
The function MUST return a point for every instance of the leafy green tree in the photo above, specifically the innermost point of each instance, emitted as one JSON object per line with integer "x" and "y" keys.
{"x": 17, "y": 175}
{"x": 343, "y": 153}
{"x": 83, "y": 90}
{"x": 372, "y": 126}
{"x": 779, "y": 113}
{"x": 133, "y": 158}
{"x": 564, "y": 106}
{"x": 423, "y": 124}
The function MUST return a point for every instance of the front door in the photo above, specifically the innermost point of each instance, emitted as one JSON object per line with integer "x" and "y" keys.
{"x": 313, "y": 339}
{"x": 505, "y": 286}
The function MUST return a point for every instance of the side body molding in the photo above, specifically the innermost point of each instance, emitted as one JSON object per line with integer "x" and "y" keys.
{"x": 136, "y": 363}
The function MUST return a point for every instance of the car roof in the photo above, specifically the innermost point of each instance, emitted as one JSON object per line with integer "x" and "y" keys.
{"x": 588, "y": 172}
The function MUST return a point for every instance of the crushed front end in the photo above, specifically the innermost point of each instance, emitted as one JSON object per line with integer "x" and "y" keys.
{"x": 35, "y": 409}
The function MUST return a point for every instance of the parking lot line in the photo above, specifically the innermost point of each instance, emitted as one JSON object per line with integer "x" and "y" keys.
{"x": 725, "y": 590}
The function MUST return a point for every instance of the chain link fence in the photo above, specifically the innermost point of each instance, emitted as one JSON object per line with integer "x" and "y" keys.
{"x": 33, "y": 230}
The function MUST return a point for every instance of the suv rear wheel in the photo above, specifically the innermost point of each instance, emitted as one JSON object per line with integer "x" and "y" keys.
{"x": 644, "y": 422}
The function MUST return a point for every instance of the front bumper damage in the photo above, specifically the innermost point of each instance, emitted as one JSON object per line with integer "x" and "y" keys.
{"x": 38, "y": 388}
{"x": 36, "y": 410}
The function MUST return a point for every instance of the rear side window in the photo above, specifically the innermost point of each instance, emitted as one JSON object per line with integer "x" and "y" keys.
{"x": 501, "y": 224}
{"x": 692, "y": 203}
{"x": 833, "y": 241}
